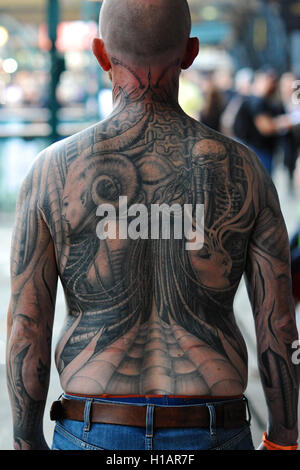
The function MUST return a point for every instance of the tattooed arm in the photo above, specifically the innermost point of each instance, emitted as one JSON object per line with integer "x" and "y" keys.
{"x": 269, "y": 285}
{"x": 30, "y": 315}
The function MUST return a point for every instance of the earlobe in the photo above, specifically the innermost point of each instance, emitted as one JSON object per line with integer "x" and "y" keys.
{"x": 191, "y": 53}
{"x": 101, "y": 54}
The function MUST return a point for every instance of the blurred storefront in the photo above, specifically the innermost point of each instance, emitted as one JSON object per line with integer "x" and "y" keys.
{"x": 46, "y": 93}
{"x": 51, "y": 85}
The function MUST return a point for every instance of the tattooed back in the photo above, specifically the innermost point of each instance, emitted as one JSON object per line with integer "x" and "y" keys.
{"x": 147, "y": 315}
{"x": 149, "y": 285}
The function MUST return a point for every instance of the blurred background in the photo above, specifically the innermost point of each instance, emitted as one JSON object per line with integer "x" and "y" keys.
{"x": 244, "y": 83}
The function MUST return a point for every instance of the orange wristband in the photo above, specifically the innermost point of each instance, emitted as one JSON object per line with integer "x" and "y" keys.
{"x": 272, "y": 446}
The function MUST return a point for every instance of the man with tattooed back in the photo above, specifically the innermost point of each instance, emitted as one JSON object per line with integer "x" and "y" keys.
{"x": 150, "y": 356}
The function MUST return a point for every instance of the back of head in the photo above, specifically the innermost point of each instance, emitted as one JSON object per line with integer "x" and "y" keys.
{"x": 145, "y": 31}
{"x": 265, "y": 82}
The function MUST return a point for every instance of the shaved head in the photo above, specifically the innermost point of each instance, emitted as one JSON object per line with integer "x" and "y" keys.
{"x": 145, "y": 30}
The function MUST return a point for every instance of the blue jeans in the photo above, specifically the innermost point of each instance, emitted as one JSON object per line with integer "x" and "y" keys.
{"x": 77, "y": 435}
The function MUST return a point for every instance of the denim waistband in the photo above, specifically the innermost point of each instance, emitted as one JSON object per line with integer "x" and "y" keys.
{"x": 164, "y": 400}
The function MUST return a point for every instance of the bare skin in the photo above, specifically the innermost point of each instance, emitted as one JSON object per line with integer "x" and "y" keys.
{"x": 148, "y": 316}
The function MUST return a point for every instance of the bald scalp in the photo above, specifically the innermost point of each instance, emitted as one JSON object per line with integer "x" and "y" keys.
{"x": 145, "y": 30}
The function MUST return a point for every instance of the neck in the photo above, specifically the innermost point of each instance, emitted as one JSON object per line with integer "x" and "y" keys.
{"x": 156, "y": 84}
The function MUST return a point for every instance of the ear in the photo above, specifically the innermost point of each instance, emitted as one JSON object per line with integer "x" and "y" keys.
{"x": 191, "y": 52}
{"x": 101, "y": 54}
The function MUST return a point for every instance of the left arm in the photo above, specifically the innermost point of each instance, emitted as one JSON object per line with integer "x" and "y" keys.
{"x": 268, "y": 278}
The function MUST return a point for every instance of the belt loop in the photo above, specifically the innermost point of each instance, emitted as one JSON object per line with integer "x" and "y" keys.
{"x": 248, "y": 410}
{"x": 212, "y": 414}
{"x": 87, "y": 415}
{"x": 149, "y": 427}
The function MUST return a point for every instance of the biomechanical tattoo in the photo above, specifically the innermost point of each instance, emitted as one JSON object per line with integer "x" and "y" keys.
{"x": 147, "y": 316}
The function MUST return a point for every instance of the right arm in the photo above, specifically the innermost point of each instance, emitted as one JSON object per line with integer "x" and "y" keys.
{"x": 30, "y": 316}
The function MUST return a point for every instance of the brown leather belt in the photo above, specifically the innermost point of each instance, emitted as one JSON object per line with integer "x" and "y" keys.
{"x": 231, "y": 414}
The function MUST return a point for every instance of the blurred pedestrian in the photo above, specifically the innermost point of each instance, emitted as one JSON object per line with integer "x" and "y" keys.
{"x": 214, "y": 104}
{"x": 224, "y": 81}
{"x": 243, "y": 86}
{"x": 290, "y": 140}
{"x": 260, "y": 120}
